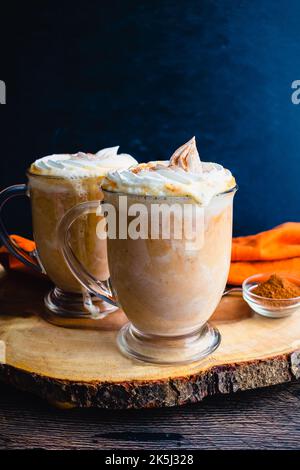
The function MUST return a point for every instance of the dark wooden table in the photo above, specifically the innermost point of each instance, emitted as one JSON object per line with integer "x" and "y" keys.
{"x": 262, "y": 419}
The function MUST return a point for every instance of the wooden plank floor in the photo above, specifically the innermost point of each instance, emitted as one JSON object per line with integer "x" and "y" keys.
{"x": 260, "y": 419}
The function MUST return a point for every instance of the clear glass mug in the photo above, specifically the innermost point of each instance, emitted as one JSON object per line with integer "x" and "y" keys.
{"x": 167, "y": 290}
{"x": 68, "y": 303}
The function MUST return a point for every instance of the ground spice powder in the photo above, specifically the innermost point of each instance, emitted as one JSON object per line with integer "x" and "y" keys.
{"x": 277, "y": 287}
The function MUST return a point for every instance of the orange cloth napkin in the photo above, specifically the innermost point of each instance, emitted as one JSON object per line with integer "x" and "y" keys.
{"x": 9, "y": 261}
{"x": 276, "y": 250}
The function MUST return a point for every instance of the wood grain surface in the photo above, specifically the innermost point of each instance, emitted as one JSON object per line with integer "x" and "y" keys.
{"x": 267, "y": 418}
{"x": 84, "y": 368}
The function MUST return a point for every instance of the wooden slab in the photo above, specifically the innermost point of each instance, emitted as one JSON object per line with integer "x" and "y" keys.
{"x": 83, "y": 368}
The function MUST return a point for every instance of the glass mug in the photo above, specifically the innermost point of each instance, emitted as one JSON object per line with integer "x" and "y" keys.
{"x": 167, "y": 291}
{"x": 68, "y": 303}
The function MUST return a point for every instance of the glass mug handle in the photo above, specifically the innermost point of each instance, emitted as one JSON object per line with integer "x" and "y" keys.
{"x": 29, "y": 258}
{"x": 101, "y": 289}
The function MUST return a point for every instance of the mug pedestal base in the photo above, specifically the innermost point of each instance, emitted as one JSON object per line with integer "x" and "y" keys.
{"x": 67, "y": 309}
{"x": 168, "y": 350}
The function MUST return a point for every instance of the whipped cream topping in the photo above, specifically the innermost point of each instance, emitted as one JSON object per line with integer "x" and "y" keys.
{"x": 80, "y": 165}
{"x": 184, "y": 175}
{"x": 187, "y": 158}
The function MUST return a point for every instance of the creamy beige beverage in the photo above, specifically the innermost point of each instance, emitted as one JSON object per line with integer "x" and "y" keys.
{"x": 168, "y": 278}
{"x": 164, "y": 287}
{"x": 56, "y": 184}
{"x": 51, "y": 198}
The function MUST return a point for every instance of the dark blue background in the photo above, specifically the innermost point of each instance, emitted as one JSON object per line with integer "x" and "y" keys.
{"x": 148, "y": 75}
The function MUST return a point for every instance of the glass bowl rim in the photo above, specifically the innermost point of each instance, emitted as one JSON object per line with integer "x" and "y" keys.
{"x": 260, "y": 297}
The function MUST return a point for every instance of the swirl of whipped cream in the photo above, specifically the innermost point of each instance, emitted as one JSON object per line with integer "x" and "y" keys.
{"x": 183, "y": 175}
{"x": 80, "y": 165}
{"x": 187, "y": 158}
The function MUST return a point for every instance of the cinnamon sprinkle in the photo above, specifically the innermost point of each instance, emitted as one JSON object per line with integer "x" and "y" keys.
{"x": 277, "y": 287}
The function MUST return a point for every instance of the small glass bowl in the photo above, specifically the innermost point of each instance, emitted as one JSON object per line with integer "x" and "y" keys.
{"x": 272, "y": 308}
